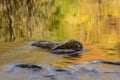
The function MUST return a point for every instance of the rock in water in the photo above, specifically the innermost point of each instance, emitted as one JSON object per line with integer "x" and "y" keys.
{"x": 29, "y": 67}
{"x": 44, "y": 44}
{"x": 68, "y": 46}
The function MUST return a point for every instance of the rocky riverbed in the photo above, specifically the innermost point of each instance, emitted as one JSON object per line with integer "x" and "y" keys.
{"x": 95, "y": 70}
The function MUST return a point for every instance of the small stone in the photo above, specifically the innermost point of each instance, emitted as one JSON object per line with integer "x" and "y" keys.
{"x": 29, "y": 67}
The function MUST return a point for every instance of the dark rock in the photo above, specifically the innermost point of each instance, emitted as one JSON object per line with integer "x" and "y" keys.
{"x": 29, "y": 67}
{"x": 63, "y": 51}
{"x": 45, "y": 44}
{"x": 49, "y": 76}
{"x": 72, "y": 53}
{"x": 95, "y": 70}
{"x": 62, "y": 70}
{"x": 69, "y": 46}
{"x": 111, "y": 63}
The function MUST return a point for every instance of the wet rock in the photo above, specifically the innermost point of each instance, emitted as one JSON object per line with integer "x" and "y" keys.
{"x": 69, "y": 46}
{"x": 111, "y": 63}
{"x": 63, "y": 51}
{"x": 95, "y": 70}
{"x": 28, "y": 67}
{"x": 44, "y": 44}
{"x": 98, "y": 67}
{"x": 94, "y": 66}
{"x": 64, "y": 70}
{"x": 71, "y": 53}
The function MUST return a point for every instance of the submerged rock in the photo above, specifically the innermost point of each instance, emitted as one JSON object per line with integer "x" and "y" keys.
{"x": 98, "y": 67}
{"x": 63, "y": 51}
{"x": 95, "y": 70}
{"x": 28, "y": 67}
{"x": 68, "y": 46}
{"x": 94, "y": 66}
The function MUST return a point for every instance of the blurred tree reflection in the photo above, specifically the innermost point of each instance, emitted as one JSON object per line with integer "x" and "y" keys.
{"x": 23, "y": 18}
{"x": 91, "y": 21}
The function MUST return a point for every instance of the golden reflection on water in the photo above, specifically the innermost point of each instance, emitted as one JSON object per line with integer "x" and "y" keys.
{"x": 96, "y": 52}
{"x": 99, "y": 33}
{"x": 23, "y": 52}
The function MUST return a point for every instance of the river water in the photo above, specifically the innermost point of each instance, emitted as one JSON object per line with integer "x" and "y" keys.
{"x": 95, "y": 48}
{"x": 20, "y": 52}
{"x": 23, "y": 52}
{"x": 99, "y": 33}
